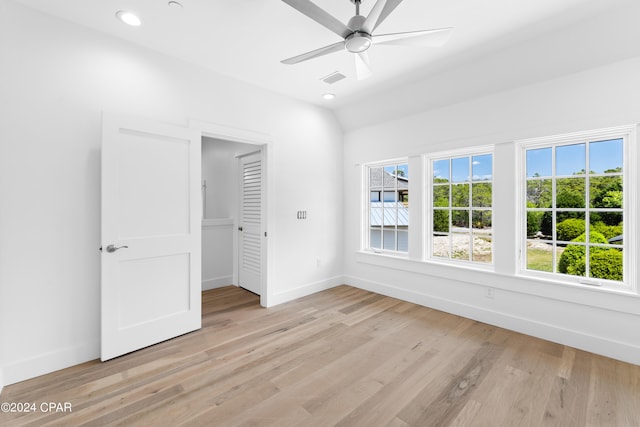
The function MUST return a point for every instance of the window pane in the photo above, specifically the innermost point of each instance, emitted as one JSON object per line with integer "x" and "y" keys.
{"x": 571, "y": 159}
{"x": 460, "y": 195}
{"x": 460, "y": 219}
{"x": 441, "y": 221}
{"x": 535, "y": 224}
{"x": 539, "y": 162}
{"x": 375, "y": 238}
{"x": 401, "y": 170}
{"x": 460, "y": 244}
{"x": 481, "y": 221}
{"x": 573, "y": 260}
{"x": 390, "y": 214}
{"x": 391, "y": 169}
{"x": 375, "y": 178}
{"x": 570, "y": 193}
{"x": 606, "y": 263}
{"x": 375, "y": 196}
{"x": 569, "y": 225}
{"x": 375, "y": 214}
{"x": 481, "y": 195}
{"x": 390, "y": 196}
{"x": 540, "y": 256}
{"x": 441, "y": 195}
{"x": 403, "y": 241}
{"x": 608, "y": 224}
{"x": 441, "y": 246}
{"x": 482, "y": 248}
{"x": 606, "y": 156}
{"x": 482, "y": 167}
{"x": 539, "y": 193}
{"x": 460, "y": 169}
{"x": 605, "y": 192}
{"x": 389, "y": 239}
{"x": 441, "y": 171}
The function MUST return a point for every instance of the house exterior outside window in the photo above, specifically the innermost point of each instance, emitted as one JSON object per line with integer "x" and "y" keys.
{"x": 388, "y": 207}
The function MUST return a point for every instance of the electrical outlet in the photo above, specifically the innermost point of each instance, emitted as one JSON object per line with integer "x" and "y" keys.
{"x": 490, "y": 293}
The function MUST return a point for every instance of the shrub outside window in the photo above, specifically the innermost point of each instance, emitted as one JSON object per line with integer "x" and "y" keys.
{"x": 461, "y": 208}
{"x": 388, "y": 213}
{"x": 575, "y": 210}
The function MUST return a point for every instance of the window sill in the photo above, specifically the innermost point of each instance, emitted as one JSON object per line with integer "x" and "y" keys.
{"x": 624, "y": 301}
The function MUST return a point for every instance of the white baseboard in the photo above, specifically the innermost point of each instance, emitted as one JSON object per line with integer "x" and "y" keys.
{"x": 218, "y": 282}
{"x": 304, "y": 290}
{"x": 49, "y": 362}
{"x": 625, "y": 352}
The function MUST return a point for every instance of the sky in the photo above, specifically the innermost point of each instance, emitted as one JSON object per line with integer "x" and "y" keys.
{"x": 481, "y": 168}
{"x": 403, "y": 167}
{"x": 603, "y": 155}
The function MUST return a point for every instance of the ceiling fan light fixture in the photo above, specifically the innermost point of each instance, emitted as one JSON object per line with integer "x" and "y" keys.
{"x": 128, "y": 18}
{"x": 329, "y": 96}
{"x": 357, "y": 42}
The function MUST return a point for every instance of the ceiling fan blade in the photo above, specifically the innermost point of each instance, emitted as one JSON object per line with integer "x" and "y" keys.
{"x": 379, "y": 13}
{"x": 433, "y": 38}
{"x": 315, "y": 53}
{"x": 320, "y": 16}
{"x": 363, "y": 67}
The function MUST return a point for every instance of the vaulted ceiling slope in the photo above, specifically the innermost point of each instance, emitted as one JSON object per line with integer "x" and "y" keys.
{"x": 496, "y": 45}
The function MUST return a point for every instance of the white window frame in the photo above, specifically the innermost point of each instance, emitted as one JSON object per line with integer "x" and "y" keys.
{"x": 429, "y": 159}
{"x": 366, "y": 211}
{"x": 630, "y": 206}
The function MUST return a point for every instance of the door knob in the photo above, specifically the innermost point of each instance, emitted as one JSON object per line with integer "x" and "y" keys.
{"x": 111, "y": 248}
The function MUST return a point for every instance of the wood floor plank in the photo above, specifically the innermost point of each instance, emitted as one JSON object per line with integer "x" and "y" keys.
{"x": 342, "y": 357}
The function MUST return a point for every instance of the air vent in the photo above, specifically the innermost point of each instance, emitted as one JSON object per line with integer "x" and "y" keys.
{"x": 336, "y": 76}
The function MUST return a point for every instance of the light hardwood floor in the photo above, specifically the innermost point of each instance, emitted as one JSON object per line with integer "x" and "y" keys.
{"x": 342, "y": 357}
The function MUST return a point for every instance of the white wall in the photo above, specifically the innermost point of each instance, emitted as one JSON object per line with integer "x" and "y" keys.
{"x": 56, "y": 79}
{"x": 220, "y": 171}
{"x": 601, "y": 322}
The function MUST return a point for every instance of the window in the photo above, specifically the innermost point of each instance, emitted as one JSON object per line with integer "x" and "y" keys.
{"x": 461, "y": 208}
{"x": 388, "y": 213}
{"x": 575, "y": 210}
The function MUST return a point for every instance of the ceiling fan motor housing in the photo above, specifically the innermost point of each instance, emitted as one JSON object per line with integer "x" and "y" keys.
{"x": 358, "y": 41}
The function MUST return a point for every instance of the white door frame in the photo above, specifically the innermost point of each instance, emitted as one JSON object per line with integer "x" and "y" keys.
{"x": 213, "y": 130}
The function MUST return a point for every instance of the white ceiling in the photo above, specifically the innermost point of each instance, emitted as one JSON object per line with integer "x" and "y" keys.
{"x": 246, "y": 39}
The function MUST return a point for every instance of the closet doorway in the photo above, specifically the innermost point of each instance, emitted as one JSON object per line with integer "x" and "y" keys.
{"x": 232, "y": 214}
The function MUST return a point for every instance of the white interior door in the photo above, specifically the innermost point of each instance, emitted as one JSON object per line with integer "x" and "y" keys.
{"x": 151, "y": 265}
{"x": 250, "y": 224}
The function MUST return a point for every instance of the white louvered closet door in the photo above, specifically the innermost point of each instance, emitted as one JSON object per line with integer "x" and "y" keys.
{"x": 250, "y": 238}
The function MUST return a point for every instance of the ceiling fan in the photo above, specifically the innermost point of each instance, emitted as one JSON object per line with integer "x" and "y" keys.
{"x": 358, "y": 33}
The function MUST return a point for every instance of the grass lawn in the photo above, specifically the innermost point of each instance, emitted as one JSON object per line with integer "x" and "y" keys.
{"x": 542, "y": 259}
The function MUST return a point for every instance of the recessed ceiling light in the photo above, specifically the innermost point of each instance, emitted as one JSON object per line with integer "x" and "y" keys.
{"x": 329, "y": 96}
{"x": 175, "y": 5}
{"x": 128, "y": 18}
